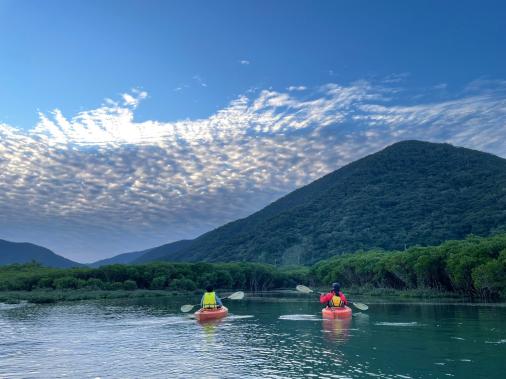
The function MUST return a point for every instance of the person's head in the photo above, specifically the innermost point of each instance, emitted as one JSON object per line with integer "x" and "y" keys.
{"x": 336, "y": 287}
{"x": 209, "y": 288}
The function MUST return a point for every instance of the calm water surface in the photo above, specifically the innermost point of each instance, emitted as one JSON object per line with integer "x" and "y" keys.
{"x": 267, "y": 338}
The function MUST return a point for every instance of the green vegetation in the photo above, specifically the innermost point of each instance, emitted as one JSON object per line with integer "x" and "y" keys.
{"x": 47, "y": 296}
{"x": 474, "y": 267}
{"x": 154, "y": 276}
{"x": 412, "y": 193}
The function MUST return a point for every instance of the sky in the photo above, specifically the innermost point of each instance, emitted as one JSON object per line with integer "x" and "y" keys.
{"x": 129, "y": 124}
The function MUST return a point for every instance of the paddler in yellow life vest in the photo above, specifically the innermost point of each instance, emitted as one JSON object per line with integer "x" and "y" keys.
{"x": 335, "y": 298}
{"x": 210, "y": 300}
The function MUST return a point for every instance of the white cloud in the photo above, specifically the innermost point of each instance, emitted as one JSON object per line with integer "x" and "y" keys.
{"x": 102, "y": 182}
{"x": 296, "y": 88}
{"x": 244, "y": 62}
{"x": 132, "y": 99}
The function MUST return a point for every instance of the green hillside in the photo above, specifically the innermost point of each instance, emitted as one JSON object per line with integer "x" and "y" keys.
{"x": 21, "y": 252}
{"x": 411, "y": 193}
{"x": 124, "y": 258}
{"x": 159, "y": 252}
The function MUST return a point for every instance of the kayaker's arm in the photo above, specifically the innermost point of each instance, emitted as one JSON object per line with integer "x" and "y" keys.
{"x": 218, "y": 301}
{"x": 343, "y": 298}
{"x": 324, "y": 299}
{"x": 202, "y": 302}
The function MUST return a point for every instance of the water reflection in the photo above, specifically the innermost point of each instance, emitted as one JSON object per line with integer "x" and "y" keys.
{"x": 208, "y": 328}
{"x": 264, "y": 339}
{"x": 337, "y": 330}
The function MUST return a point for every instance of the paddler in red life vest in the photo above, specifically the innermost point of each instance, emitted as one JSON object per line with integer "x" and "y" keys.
{"x": 334, "y": 298}
{"x": 210, "y": 300}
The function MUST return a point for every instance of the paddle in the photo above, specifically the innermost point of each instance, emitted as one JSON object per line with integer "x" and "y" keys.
{"x": 304, "y": 289}
{"x": 239, "y": 295}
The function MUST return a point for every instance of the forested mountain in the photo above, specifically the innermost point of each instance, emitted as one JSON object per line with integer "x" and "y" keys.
{"x": 124, "y": 258}
{"x": 157, "y": 253}
{"x": 411, "y": 193}
{"x": 149, "y": 255}
{"x": 21, "y": 252}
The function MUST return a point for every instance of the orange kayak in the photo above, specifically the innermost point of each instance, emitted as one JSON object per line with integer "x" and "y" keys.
{"x": 211, "y": 314}
{"x": 344, "y": 312}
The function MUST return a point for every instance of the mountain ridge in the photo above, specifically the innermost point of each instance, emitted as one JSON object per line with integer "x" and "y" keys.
{"x": 25, "y": 252}
{"x": 410, "y": 193}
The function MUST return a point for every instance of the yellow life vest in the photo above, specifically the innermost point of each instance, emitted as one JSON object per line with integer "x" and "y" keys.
{"x": 209, "y": 300}
{"x": 336, "y": 302}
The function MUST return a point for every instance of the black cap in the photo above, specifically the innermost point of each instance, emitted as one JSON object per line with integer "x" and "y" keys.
{"x": 336, "y": 287}
{"x": 209, "y": 288}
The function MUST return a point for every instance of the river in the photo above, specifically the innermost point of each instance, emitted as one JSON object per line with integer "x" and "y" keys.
{"x": 267, "y": 337}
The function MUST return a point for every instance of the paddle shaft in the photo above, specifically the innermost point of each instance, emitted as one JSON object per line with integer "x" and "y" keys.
{"x": 308, "y": 290}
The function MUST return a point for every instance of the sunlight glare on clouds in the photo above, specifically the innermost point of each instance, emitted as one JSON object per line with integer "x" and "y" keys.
{"x": 101, "y": 172}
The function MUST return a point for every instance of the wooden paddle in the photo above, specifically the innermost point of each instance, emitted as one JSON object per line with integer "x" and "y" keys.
{"x": 239, "y": 295}
{"x": 304, "y": 289}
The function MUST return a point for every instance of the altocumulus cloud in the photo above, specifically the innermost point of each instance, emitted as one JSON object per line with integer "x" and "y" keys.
{"x": 101, "y": 183}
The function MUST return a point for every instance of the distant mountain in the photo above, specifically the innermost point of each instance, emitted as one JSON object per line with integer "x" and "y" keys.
{"x": 22, "y": 252}
{"x": 144, "y": 256}
{"x": 158, "y": 253}
{"x": 124, "y": 258}
{"x": 411, "y": 193}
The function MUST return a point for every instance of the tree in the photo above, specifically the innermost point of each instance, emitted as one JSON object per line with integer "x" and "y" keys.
{"x": 129, "y": 285}
{"x": 158, "y": 283}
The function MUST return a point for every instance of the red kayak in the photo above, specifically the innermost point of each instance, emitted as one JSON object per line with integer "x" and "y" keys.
{"x": 344, "y": 312}
{"x": 211, "y": 314}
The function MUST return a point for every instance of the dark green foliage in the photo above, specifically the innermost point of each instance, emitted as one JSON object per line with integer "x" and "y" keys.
{"x": 66, "y": 282}
{"x": 410, "y": 194}
{"x": 182, "y": 285}
{"x": 475, "y": 266}
{"x": 95, "y": 284}
{"x": 158, "y": 283}
{"x": 116, "y": 286}
{"x": 129, "y": 285}
{"x": 153, "y": 276}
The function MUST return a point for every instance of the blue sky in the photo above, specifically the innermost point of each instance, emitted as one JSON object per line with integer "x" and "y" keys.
{"x": 127, "y": 124}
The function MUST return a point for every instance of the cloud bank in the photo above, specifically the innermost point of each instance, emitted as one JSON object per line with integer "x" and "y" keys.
{"x": 100, "y": 182}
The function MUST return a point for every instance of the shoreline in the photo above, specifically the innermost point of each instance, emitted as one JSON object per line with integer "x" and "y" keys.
{"x": 372, "y": 296}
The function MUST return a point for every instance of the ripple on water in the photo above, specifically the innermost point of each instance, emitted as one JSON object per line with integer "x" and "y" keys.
{"x": 385, "y": 323}
{"x": 6, "y": 307}
{"x": 239, "y": 317}
{"x": 89, "y": 340}
{"x": 300, "y": 317}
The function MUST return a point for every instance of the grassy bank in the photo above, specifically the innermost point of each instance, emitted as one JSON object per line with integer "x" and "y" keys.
{"x": 43, "y": 296}
{"x": 46, "y": 296}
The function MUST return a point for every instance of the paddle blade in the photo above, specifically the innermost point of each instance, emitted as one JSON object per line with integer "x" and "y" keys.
{"x": 239, "y": 295}
{"x": 303, "y": 289}
{"x": 361, "y": 306}
{"x": 187, "y": 308}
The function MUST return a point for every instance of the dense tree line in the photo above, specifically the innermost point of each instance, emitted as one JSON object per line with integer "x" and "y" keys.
{"x": 475, "y": 266}
{"x": 159, "y": 276}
